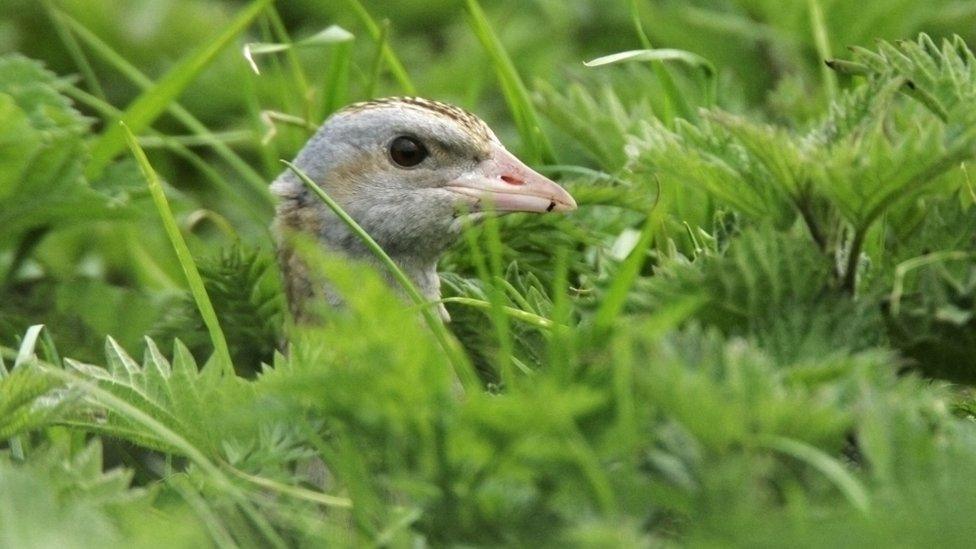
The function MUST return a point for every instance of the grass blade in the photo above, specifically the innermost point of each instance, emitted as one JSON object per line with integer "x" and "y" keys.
{"x": 376, "y": 32}
{"x": 74, "y": 50}
{"x": 658, "y": 57}
{"x": 336, "y": 84}
{"x": 490, "y": 276}
{"x": 822, "y": 42}
{"x": 193, "y": 279}
{"x": 673, "y": 96}
{"x": 827, "y": 465}
{"x": 178, "y": 147}
{"x": 257, "y": 183}
{"x": 526, "y": 317}
{"x": 516, "y": 95}
{"x": 376, "y": 66}
{"x": 28, "y": 345}
{"x": 154, "y": 101}
{"x": 616, "y": 297}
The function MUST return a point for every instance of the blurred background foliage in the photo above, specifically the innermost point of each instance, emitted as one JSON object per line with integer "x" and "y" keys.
{"x": 757, "y": 329}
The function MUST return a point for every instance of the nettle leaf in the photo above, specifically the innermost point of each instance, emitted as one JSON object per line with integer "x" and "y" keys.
{"x": 856, "y": 111}
{"x": 875, "y": 171}
{"x": 719, "y": 156}
{"x": 723, "y": 391}
{"x": 42, "y": 154}
{"x": 868, "y": 172}
{"x": 30, "y": 397}
{"x": 64, "y": 499}
{"x": 941, "y": 77}
{"x": 18, "y": 141}
{"x": 772, "y": 287}
{"x": 190, "y": 401}
{"x": 777, "y": 158}
{"x": 68, "y": 495}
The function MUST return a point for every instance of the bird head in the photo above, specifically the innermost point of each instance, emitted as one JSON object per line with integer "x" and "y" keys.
{"x": 409, "y": 171}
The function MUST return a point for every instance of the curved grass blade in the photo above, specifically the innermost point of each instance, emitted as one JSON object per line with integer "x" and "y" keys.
{"x": 332, "y": 34}
{"x": 672, "y": 95}
{"x": 517, "y": 314}
{"x": 154, "y": 101}
{"x": 516, "y": 94}
{"x": 658, "y": 56}
{"x": 828, "y": 466}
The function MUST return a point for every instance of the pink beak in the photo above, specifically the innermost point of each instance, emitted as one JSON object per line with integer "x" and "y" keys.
{"x": 505, "y": 184}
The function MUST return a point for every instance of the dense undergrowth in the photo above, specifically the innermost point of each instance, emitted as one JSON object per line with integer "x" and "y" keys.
{"x": 759, "y": 328}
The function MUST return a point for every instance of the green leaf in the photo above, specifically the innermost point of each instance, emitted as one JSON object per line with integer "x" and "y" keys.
{"x": 19, "y": 141}
{"x": 42, "y": 153}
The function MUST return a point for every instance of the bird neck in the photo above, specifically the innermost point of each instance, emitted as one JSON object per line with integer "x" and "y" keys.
{"x": 300, "y": 216}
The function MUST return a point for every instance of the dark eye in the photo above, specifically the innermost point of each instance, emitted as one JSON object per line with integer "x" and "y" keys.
{"x": 407, "y": 151}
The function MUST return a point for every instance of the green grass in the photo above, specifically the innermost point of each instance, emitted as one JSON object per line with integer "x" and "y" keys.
{"x": 757, "y": 328}
{"x": 193, "y": 279}
{"x": 141, "y": 112}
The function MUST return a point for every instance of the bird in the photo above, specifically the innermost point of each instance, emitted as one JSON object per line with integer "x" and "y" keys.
{"x": 411, "y": 172}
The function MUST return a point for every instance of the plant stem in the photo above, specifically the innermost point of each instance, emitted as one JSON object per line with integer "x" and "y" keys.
{"x": 854, "y": 254}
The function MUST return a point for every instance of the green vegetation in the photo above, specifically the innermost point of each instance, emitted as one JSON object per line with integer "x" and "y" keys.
{"x": 759, "y": 328}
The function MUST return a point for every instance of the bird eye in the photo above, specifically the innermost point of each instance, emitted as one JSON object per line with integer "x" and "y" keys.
{"x": 407, "y": 152}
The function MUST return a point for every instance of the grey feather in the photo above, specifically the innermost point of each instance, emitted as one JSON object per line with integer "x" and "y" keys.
{"x": 405, "y": 210}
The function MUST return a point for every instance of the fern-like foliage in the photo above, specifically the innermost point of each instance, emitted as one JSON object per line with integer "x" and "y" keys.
{"x": 523, "y": 292}
{"x": 772, "y": 287}
{"x": 598, "y": 124}
{"x": 720, "y": 157}
{"x": 42, "y": 154}
{"x": 244, "y": 287}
